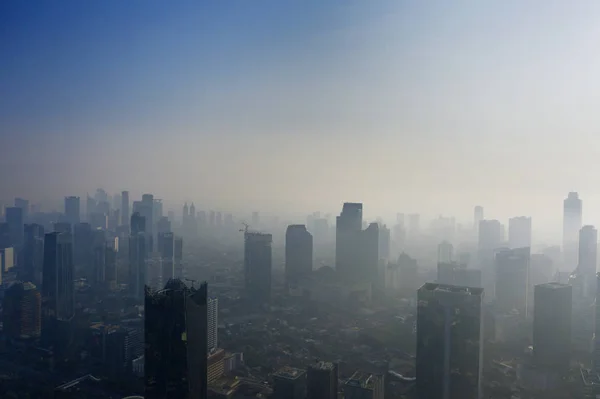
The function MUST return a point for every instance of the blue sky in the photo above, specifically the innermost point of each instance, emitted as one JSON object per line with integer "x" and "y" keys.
{"x": 304, "y": 103}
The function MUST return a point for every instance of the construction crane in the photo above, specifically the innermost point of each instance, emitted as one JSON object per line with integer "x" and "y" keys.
{"x": 191, "y": 281}
{"x": 245, "y": 229}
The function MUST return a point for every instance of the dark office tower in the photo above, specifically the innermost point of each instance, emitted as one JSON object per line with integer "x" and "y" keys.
{"x": 213, "y": 323}
{"x": 477, "y": 216}
{"x": 176, "y": 342}
{"x": 124, "y": 207}
{"x": 82, "y": 251}
{"x": 414, "y": 221}
{"x": 72, "y": 211}
{"x": 33, "y": 253}
{"x": 90, "y": 207}
{"x": 138, "y": 223}
{"x": 298, "y": 253}
{"x": 512, "y": 280}
{"x": 257, "y": 266}
{"x": 255, "y": 219}
{"x": 445, "y": 252}
{"x": 370, "y": 254}
{"x": 322, "y": 381}
{"x": 572, "y": 221}
{"x": 449, "y": 342}
{"x": 97, "y": 277}
{"x": 24, "y": 205}
{"x": 178, "y": 256}
{"x": 62, "y": 227}
{"x": 519, "y": 232}
{"x": 138, "y": 253}
{"x": 163, "y": 225}
{"x": 347, "y": 241}
{"x": 22, "y": 311}
{"x": 157, "y": 209}
{"x": 14, "y": 219}
{"x": 166, "y": 248}
{"x": 57, "y": 280}
{"x": 588, "y": 250}
{"x": 110, "y": 257}
{"x": 552, "y": 326}
{"x": 384, "y": 242}
{"x": 289, "y": 383}
{"x": 148, "y": 212}
{"x": 365, "y": 385}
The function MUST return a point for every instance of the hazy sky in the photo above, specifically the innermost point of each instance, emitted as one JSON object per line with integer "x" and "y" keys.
{"x": 414, "y": 106}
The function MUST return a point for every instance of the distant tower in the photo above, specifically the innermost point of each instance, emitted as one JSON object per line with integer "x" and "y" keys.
{"x": 572, "y": 221}
{"x": 72, "y": 210}
{"x": 14, "y": 220}
{"x": 449, "y": 342}
{"x": 512, "y": 280}
{"x": 125, "y": 207}
{"x": 58, "y": 273}
{"x": 185, "y": 212}
{"x": 298, "y": 253}
{"x": 445, "y": 252}
{"x": 477, "y": 217}
{"x": 588, "y": 256}
{"x": 348, "y": 239}
{"x": 257, "y": 266}
{"x": 192, "y": 211}
{"x": 519, "y": 232}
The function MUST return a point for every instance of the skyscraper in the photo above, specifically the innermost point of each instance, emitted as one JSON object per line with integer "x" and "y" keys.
{"x": 347, "y": 241}
{"x": 147, "y": 212}
{"x": 445, "y": 252}
{"x": 14, "y": 219}
{"x": 491, "y": 237}
{"x": 138, "y": 254}
{"x": 72, "y": 211}
{"x": 512, "y": 280}
{"x": 213, "y": 323}
{"x": 289, "y": 383}
{"x": 384, "y": 242}
{"x": 176, "y": 342}
{"x": 125, "y": 207}
{"x": 98, "y": 271}
{"x": 166, "y": 248}
{"x": 298, "y": 253}
{"x": 257, "y": 266}
{"x": 33, "y": 253}
{"x": 22, "y": 311}
{"x": 365, "y": 385}
{"x": 552, "y": 326}
{"x": 519, "y": 232}
{"x": 586, "y": 265}
{"x": 477, "y": 217}
{"x": 178, "y": 256}
{"x": 449, "y": 342}
{"x": 322, "y": 381}
{"x": 572, "y": 221}
{"x": 58, "y": 274}
{"x": 24, "y": 205}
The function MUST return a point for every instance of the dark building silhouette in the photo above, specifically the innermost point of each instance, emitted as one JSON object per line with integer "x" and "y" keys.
{"x": 257, "y": 266}
{"x": 97, "y": 275}
{"x": 57, "y": 283}
{"x": 24, "y": 205}
{"x": 14, "y": 220}
{"x": 322, "y": 381}
{"x": 572, "y": 222}
{"x": 552, "y": 326}
{"x": 125, "y": 207}
{"x": 289, "y": 383}
{"x": 298, "y": 253}
{"x": 22, "y": 311}
{"x": 348, "y": 241}
{"x": 166, "y": 248}
{"x": 176, "y": 342}
{"x": 449, "y": 342}
{"x": 369, "y": 248}
{"x": 82, "y": 252}
{"x": 72, "y": 210}
{"x": 33, "y": 253}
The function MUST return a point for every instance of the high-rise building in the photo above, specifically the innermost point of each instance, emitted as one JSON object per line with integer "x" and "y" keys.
{"x": 452, "y": 273}
{"x": 125, "y": 207}
{"x": 33, "y": 253}
{"x": 552, "y": 326}
{"x": 24, "y": 205}
{"x": 512, "y": 280}
{"x": 289, "y": 383}
{"x": 596, "y": 360}
{"x": 82, "y": 251}
{"x": 72, "y": 211}
{"x": 147, "y": 212}
{"x": 298, "y": 253}
{"x": 409, "y": 275}
{"x": 588, "y": 257}
{"x": 176, "y": 342}
{"x": 257, "y": 266}
{"x": 14, "y": 219}
{"x": 449, "y": 342}
{"x": 369, "y": 260}
{"x": 166, "y": 248}
{"x": 98, "y": 271}
{"x": 477, "y": 217}
{"x": 138, "y": 254}
{"x": 490, "y": 238}
{"x": 348, "y": 241}
{"x": 572, "y": 222}
{"x": 364, "y": 385}
{"x": 22, "y": 311}
{"x": 445, "y": 252}
{"x": 58, "y": 275}
{"x": 163, "y": 225}
{"x": 213, "y": 323}
{"x": 519, "y": 232}
{"x": 384, "y": 242}
{"x": 322, "y": 381}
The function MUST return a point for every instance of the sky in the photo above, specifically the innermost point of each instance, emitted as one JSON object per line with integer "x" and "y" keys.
{"x": 407, "y": 106}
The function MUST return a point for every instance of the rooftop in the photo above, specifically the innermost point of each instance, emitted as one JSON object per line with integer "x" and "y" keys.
{"x": 553, "y": 285}
{"x": 322, "y": 365}
{"x": 289, "y": 373}
{"x": 363, "y": 380}
{"x": 451, "y": 288}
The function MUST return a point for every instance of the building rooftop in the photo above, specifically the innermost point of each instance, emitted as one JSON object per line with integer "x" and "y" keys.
{"x": 553, "y": 285}
{"x": 363, "y": 380}
{"x": 451, "y": 288}
{"x": 289, "y": 373}
{"x": 322, "y": 365}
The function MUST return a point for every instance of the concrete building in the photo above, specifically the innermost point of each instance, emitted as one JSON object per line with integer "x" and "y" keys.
{"x": 572, "y": 222}
{"x": 322, "y": 381}
{"x": 364, "y": 385}
{"x": 257, "y": 266}
{"x": 289, "y": 383}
